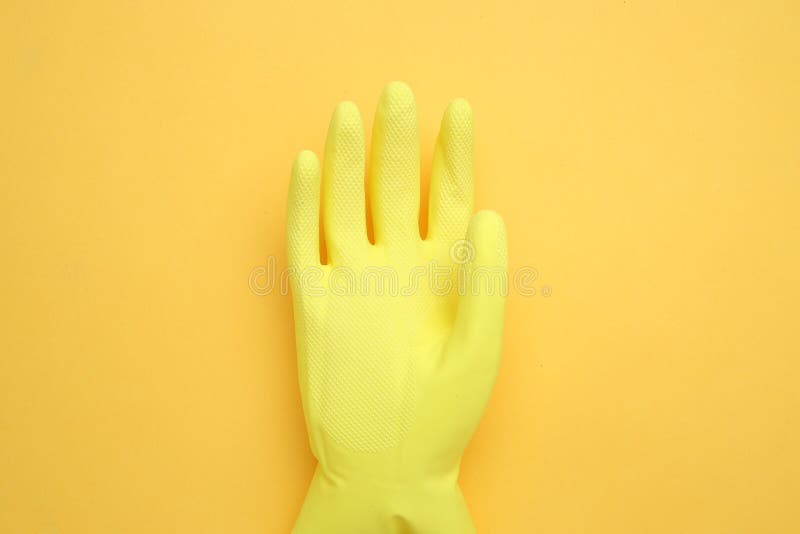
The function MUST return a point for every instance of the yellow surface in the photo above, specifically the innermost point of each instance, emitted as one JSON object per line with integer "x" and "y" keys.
{"x": 645, "y": 157}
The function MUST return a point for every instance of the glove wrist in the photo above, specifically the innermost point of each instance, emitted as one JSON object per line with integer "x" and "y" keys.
{"x": 358, "y": 504}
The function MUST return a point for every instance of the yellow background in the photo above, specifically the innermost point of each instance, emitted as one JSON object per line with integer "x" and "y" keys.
{"x": 645, "y": 156}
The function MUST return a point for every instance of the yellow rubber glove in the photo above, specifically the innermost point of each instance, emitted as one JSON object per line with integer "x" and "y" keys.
{"x": 398, "y": 341}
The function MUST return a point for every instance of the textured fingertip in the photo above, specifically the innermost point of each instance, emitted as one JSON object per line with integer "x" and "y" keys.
{"x": 345, "y": 143}
{"x": 304, "y": 187}
{"x": 398, "y": 94}
{"x": 306, "y": 165}
{"x": 396, "y": 123}
{"x": 456, "y": 144}
{"x": 487, "y": 233}
{"x": 457, "y": 126}
{"x": 459, "y": 108}
{"x": 346, "y": 115}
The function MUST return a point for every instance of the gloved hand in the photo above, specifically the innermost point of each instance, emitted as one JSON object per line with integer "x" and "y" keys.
{"x": 398, "y": 341}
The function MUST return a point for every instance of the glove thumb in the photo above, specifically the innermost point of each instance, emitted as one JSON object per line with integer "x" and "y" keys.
{"x": 482, "y": 287}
